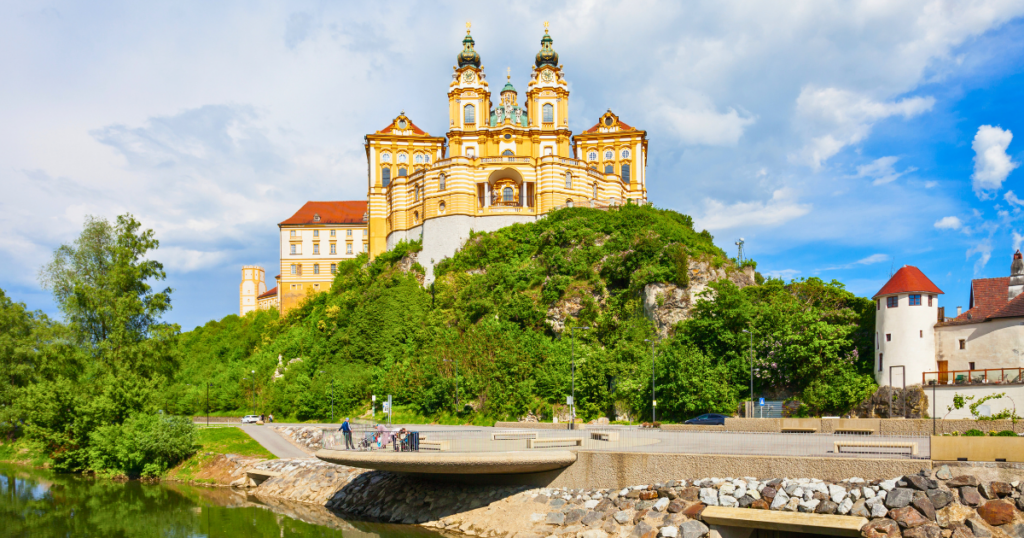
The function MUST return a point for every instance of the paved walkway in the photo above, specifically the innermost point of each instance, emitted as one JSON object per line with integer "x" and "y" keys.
{"x": 272, "y": 441}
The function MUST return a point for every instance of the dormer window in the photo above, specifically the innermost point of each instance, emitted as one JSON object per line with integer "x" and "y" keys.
{"x": 316, "y": 218}
{"x": 609, "y": 121}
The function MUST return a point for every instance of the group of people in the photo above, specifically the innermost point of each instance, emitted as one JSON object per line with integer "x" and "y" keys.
{"x": 266, "y": 418}
{"x": 399, "y": 439}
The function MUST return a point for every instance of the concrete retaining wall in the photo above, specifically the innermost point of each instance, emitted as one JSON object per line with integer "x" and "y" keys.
{"x": 924, "y": 426}
{"x": 763, "y": 425}
{"x": 537, "y": 425}
{"x": 1009, "y": 449}
{"x": 693, "y": 428}
{"x": 623, "y": 469}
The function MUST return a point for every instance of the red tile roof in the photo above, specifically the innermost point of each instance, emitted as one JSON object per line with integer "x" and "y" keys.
{"x": 350, "y": 212}
{"x": 907, "y": 279}
{"x": 620, "y": 124}
{"x": 412, "y": 126}
{"x": 990, "y": 300}
{"x": 268, "y": 293}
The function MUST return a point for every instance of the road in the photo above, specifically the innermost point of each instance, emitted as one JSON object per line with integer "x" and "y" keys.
{"x": 272, "y": 441}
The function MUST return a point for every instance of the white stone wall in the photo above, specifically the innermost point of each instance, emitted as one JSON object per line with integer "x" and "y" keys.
{"x": 990, "y": 344}
{"x": 944, "y": 398}
{"x": 912, "y": 346}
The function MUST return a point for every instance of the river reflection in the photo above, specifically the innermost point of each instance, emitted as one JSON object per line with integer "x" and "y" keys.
{"x": 40, "y": 504}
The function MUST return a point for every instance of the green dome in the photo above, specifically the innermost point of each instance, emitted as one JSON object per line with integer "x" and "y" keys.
{"x": 468, "y": 56}
{"x": 508, "y": 87}
{"x": 547, "y": 55}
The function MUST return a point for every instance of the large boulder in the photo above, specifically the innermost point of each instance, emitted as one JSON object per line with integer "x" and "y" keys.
{"x": 908, "y": 517}
{"x": 969, "y": 495}
{"x": 996, "y": 513}
{"x": 961, "y": 481}
{"x": 881, "y": 528}
{"x": 693, "y": 529}
{"x": 899, "y": 497}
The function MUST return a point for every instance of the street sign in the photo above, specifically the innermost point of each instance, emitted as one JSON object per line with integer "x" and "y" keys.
{"x": 568, "y": 400}
{"x": 654, "y": 403}
{"x": 760, "y": 402}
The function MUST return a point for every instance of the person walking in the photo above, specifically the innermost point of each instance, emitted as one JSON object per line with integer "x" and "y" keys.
{"x": 346, "y": 430}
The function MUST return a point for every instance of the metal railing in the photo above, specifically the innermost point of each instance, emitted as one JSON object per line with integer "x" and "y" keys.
{"x": 993, "y": 376}
{"x": 644, "y": 440}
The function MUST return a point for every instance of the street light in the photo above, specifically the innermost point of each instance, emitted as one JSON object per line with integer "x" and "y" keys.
{"x": 654, "y": 399}
{"x": 751, "y": 365}
{"x": 456, "y": 364}
{"x": 572, "y": 357}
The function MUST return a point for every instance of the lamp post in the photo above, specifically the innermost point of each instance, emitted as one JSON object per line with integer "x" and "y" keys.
{"x": 456, "y": 365}
{"x": 572, "y": 357}
{"x": 751, "y": 365}
{"x": 654, "y": 399}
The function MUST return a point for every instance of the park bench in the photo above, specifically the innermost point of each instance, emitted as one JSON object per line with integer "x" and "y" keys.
{"x": 554, "y": 441}
{"x": 604, "y": 436}
{"x": 512, "y": 436}
{"x": 912, "y": 446}
{"x": 436, "y": 444}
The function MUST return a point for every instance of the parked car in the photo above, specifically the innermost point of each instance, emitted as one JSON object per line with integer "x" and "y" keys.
{"x": 250, "y": 419}
{"x": 708, "y": 419}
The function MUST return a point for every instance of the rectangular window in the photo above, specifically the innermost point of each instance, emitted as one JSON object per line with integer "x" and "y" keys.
{"x": 334, "y": 248}
{"x": 963, "y": 344}
{"x": 878, "y": 304}
{"x": 295, "y": 249}
{"x": 334, "y": 268}
{"x": 892, "y": 302}
{"x": 366, "y": 247}
{"x": 922, "y": 334}
{"x": 877, "y": 342}
{"x": 348, "y": 248}
{"x": 295, "y": 269}
{"x": 915, "y": 300}
{"x": 348, "y": 233}
{"x": 879, "y": 362}
{"x": 333, "y": 233}
{"x": 316, "y": 233}
{"x": 930, "y": 298}
{"x": 888, "y": 338}
{"x": 970, "y": 366}
{"x": 293, "y": 233}
{"x": 316, "y": 249}
{"x": 316, "y": 268}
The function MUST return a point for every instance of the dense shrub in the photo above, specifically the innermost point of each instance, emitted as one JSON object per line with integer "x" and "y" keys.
{"x": 1005, "y": 433}
{"x": 144, "y": 445}
{"x": 974, "y": 433}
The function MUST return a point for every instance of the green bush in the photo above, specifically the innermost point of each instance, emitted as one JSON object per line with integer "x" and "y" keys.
{"x": 1005, "y": 433}
{"x": 142, "y": 446}
{"x": 974, "y": 433}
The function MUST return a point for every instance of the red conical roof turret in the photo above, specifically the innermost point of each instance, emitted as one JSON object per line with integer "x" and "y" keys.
{"x": 908, "y": 279}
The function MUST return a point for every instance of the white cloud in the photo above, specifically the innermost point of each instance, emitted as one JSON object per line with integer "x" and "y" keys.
{"x": 991, "y": 163}
{"x": 948, "y": 223}
{"x": 780, "y": 208}
{"x": 1012, "y": 199}
{"x": 784, "y": 274}
{"x": 984, "y": 252}
{"x": 882, "y": 170}
{"x": 698, "y": 122}
{"x": 834, "y": 118}
{"x": 1018, "y": 239}
{"x": 870, "y": 260}
{"x": 187, "y": 260}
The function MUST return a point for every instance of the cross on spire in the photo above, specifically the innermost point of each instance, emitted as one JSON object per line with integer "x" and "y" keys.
{"x": 468, "y": 25}
{"x": 509, "y": 75}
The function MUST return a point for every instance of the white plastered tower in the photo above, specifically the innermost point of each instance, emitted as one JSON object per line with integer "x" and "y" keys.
{"x": 906, "y": 311}
{"x": 253, "y": 285}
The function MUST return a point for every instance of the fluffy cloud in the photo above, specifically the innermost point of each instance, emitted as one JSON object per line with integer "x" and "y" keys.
{"x": 1012, "y": 199}
{"x": 991, "y": 163}
{"x": 694, "y": 120}
{"x": 1017, "y": 240}
{"x": 782, "y": 207}
{"x": 948, "y": 223}
{"x": 834, "y": 118}
{"x": 869, "y": 260}
{"x": 882, "y": 171}
{"x": 984, "y": 252}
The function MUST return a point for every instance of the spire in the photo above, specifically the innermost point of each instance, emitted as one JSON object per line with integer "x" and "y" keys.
{"x": 547, "y": 55}
{"x": 508, "y": 84}
{"x": 468, "y": 56}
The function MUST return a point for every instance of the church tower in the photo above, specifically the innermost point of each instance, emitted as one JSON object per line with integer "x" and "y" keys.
{"x": 547, "y": 99}
{"x": 906, "y": 309}
{"x": 469, "y": 101}
{"x": 253, "y": 285}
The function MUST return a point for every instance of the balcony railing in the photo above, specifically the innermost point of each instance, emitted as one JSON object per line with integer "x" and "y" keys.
{"x": 990, "y": 376}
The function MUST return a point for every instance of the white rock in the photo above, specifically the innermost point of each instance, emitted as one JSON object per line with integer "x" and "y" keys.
{"x": 638, "y": 488}
{"x": 888, "y": 485}
{"x": 665, "y": 532}
{"x": 660, "y": 505}
{"x": 809, "y": 506}
{"x": 856, "y": 480}
{"x": 855, "y": 493}
{"x": 594, "y": 533}
{"x": 754, "y": 494}
{"x": 537, "y": 518}
{"x": 798, "y": 492}
{"x": 1015, "y": 484}
{"x": 780, "y": 500}
{"x": 728, "y": 501}
{"x": 837, "y": 493}
{"x": 873, "y": 501}
{"x": 709, "y": 496}
{"x": 589, "y": 505}
{"x": 845, "y": 507}
{"x": 623, "y": 492}
{"x": 727, "y": 489}
{"x": 878, "y": 510}
{"x": 793, "y": 505}
{"x": 741, "y": 490}
{"x": 868, "y": 493}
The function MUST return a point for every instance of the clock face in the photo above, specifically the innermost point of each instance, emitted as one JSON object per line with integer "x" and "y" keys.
{"x": 548, "y": 76}
{"x": 401, "y": 124}
{"x": 468, "y": 76}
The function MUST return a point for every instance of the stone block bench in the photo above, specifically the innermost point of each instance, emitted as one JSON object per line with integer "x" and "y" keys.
{"x": 554, "y": 441}
{"x": 436, "y": 444}
{"x": 604, "y": 436}
{"x": 856, "y": 431}
{"x": 512, "y": 436}
{"x": 912, "y": 446}
{"x": 799, "y": 430}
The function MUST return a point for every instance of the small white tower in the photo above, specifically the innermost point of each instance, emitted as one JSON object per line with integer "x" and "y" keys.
{"x": 253, "y": 285}
{"x": 906, "y": 311}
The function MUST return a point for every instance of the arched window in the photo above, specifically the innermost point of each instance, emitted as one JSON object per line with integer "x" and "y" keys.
{"x": 469, "y": 114}
{"x": 625, "y": 173}
{"x": 316, "y": 268}
{"x": 548, "y": 150}
{"x": 471, "y": 152}
{"x": 608, "y": 169}
{"x": 402, "y": 157}
{"x": 440, "y": 182}
{"x": 385, "y": 157}
{"x": 507, "y": 153}
{"x": 426, "y": 159}
{"x": 609, "y": 155}
{"x": 595, "y": 191}
{"x": 416, "y": 194}
{"x": 419, "y": 159}
{"x": 568, "y": 203}
{"x": 592, "y": 156}
{"x": 416, "y": 217}
{"x": 549, "y": 112}
{"x": 385, "y": 175}
{"x": 401, "y": 171}
{"x": 568, "y": 179}
{"x": 507, "y": 195}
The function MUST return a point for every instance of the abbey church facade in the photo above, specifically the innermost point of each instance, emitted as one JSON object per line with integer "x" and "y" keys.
{"x": 502, "y": 161}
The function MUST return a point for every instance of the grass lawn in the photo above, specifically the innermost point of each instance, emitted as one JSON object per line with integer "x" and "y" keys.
{"x": 231, "y": 440}
{"x": 22, "y": 451}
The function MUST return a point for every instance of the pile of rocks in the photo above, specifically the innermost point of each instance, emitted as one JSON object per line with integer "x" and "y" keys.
{"x": 309, "y": 438}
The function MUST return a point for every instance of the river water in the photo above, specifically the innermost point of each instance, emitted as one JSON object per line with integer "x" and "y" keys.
{"x": 42, "y": 504}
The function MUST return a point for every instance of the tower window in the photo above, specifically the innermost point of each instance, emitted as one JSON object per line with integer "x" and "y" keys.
{"x": 402, "y": 157}
{"x": 888, "y": 337}
{"x": 419, "y": 159}
{"x": 385, "y": 175}
{"x": 879, "y": 362}
{"x": 471, "y": 153}
{"x": 625, "y": 154}
{"x": 441, "y": 182}
{"x": 609, "y": 155}
{"x": 892, "y": 302}
{"x": 440, "y": 207}
{"x": 595, "y": 191}
{"x": 401, "y": 171}
{"x": 549, "y": 112}
{"x": 930, "y": 298}
{"x": 625, "y": 173}
{"x": 385, "y": 157}
{"x": 963, "y": 343}
{"x": 915, "y": 300}
{"x": 609, "y": 169}
{"x": 568, "y": 180}
{"x": 469, "y": 114}
{"x": 878, "y": 304}
{"x": 507, "y": 194}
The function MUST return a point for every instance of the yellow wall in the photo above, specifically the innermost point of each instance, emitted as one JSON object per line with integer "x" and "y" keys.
{"x": 313, "y": 265}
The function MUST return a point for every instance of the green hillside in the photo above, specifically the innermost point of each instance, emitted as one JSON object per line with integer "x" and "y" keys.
{"x": 500, "y": 311}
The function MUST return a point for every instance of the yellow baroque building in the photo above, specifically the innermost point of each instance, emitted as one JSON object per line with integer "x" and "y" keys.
{"x": 507, "y": 162}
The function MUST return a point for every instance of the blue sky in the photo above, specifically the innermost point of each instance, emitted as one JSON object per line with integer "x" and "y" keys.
{"x": 839, "y": 139}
